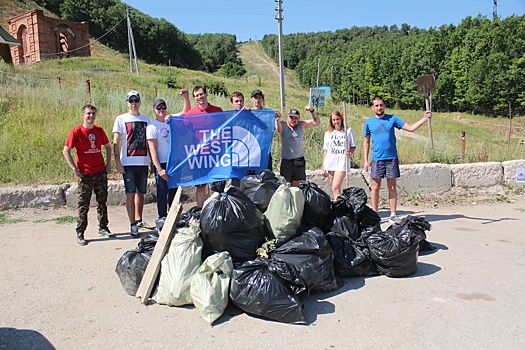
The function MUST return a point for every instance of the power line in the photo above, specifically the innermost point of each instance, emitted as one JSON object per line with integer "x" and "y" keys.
{"x": 89, "y": 44}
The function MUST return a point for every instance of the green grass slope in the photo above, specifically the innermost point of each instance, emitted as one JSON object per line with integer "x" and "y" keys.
{"x": 41, "y": 102}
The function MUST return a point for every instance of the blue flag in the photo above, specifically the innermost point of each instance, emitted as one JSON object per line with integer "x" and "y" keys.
{"x": 218, "y": 146}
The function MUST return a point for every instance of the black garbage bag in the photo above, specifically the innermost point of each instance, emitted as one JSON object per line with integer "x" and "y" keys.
{"x": 260, "y": 188}
{"x": 269, "y": 288}
{"x": 231, "y": 222}
{"x": 367, "y": 218}
{"x": 345, "y": 225}
{"x": 317, "y": 204}
{"x": 218, "y": 186}
{"x": 419, "y": 225}
{"x": 192, "y": 213}
{"x": 313, "y": 257}
{"x": 395, "y": 251}
{"x": 351, "y": 258}
{"x": 425, "y": 245}
{"x": 132, "y": 264}
{"x": 352, "y": 201}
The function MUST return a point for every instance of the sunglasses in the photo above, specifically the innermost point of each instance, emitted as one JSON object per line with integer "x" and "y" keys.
{"x": 134, "y": 100}
{"x": 158, "y": 108}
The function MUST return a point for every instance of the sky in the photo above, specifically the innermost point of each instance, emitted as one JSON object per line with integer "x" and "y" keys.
{"x": 252, "y": 19}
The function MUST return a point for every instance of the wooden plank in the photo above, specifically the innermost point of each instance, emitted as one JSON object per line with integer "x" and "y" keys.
{"x": 161, "y": 247}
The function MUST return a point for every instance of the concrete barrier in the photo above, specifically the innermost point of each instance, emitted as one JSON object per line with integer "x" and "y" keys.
{"x": 415, "y": 178}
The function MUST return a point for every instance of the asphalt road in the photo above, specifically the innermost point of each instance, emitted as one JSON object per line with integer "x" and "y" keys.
{"x": 467, "y": 294}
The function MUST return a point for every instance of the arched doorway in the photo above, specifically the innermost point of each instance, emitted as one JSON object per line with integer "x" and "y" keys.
{"x": 23, "y": 49}
{"x": 64, "y": 38}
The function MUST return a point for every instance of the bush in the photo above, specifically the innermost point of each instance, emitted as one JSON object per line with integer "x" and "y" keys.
{"x": 217, "y": 88}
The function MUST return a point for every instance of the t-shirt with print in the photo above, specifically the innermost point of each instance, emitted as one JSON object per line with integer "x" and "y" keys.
{"x": 134, "y": 149}
{"x": 334, "y": 145}
{"x": 160, "y": 131}
{"x": 88, "y": 147}
{"x": 381, "y": 131}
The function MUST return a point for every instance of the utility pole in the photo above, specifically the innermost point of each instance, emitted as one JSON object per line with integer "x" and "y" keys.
{"x": 318, "y": 67}
{"x": 331, "y": 78}
{"x": 495, "y": 10}
{"x": 279, "y": 18}
{"x": 131, "y": 44}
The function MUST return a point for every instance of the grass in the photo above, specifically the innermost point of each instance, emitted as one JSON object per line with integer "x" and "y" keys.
{"x": 37, "y": 113}
{"x": 4, "y": 219}
{"x": 66, "y": 219}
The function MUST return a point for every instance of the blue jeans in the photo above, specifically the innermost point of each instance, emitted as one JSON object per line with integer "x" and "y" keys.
{"x": 165, "y": 195}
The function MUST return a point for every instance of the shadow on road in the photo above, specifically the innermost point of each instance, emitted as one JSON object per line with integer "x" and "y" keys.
{"x": 15, "y": 339}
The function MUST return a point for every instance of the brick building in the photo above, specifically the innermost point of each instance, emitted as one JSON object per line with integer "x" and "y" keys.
{"x": 43, "y": 37}
{"x": 6, "y": 41}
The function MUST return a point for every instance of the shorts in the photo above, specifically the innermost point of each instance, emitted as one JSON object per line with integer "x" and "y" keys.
{"x": 385, "y": 168}
{"x": 135, "y": 179}
{"x": 292, "y": 172}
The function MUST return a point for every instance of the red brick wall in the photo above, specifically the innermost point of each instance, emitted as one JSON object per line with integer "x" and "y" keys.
{"x": 39, "y": 37}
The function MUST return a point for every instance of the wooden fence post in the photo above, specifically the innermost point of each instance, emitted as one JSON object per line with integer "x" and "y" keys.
{"x": 88, "y": 89}
{"x": 462, "y": 144}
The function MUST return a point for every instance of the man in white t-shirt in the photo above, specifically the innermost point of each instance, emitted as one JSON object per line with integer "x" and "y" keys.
{"x": 158, "y": 135}
{"x": 131, "y": 158}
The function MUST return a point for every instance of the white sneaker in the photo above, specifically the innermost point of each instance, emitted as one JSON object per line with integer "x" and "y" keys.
{"x": 134, "y": 230}
{"x": 142, "y": 224}
{"x": 394, "y": 219}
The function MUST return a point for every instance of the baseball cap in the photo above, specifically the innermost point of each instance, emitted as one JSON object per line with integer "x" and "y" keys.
{"x": 294, "y": 113}
{"x": 132, "y": 93}
{"x": 158, "y": 102}
{"x": 257, "y": 92}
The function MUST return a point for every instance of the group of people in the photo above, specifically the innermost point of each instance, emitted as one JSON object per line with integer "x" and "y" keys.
{"x": 139, "y": 143}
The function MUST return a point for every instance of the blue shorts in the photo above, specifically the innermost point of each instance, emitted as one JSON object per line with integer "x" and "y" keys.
{"x": 135, "y": 179}
{"x": 385, "y": 168}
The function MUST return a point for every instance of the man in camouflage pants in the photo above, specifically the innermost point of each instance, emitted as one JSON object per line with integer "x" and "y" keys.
{"x": 88, "y": 139}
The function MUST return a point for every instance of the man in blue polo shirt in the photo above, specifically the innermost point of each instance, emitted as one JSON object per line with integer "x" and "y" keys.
{"x": 385, "y": 162}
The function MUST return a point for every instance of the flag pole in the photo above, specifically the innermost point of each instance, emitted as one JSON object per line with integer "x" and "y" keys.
{"x": 346, "y": 144}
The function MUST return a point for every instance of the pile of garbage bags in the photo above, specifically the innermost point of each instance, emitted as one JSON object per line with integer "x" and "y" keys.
{"x": 268, "y": 246}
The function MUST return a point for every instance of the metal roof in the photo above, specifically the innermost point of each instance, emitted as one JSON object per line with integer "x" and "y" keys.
{"x": 6, "y": 38}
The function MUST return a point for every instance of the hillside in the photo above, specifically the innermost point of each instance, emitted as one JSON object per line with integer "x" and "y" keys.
{"x": 37, "y": 110}
{"x": 11, "y": 8}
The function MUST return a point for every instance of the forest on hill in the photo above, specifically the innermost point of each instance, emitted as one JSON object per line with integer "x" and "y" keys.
{"x": 479, "y": 64}
{"x": 159, "y": 41}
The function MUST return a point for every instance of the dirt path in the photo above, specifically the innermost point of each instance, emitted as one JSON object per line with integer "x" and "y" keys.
{"x": 260, "y": 58}
{"x": 56, "y": 294}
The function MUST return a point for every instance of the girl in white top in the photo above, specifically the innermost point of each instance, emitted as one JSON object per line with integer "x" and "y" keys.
{"x": 337, "y": 151}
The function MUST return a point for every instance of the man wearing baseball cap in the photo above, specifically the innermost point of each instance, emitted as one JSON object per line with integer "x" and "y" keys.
{"x": 257, "y": 99}
{"x": 158, "y": 136}
{"x": 159, "y": 144}
{"x": 293, "y": 164}
{"x": 131, "y": 158}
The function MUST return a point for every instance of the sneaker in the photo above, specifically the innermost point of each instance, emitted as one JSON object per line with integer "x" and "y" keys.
{"x": 80, "y": 238}
{"x": 159, "y": 223}
{"x": 394, "y": 219}
{"x": 104, "y": 231}
{"x": 142, "y": 224}
{"x": 134, "y": 230}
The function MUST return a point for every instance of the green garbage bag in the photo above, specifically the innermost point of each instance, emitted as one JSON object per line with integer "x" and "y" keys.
{"x": 285, "y": 211}
{"x": 209, "y": 287}
{"x": 179, "y": 266}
